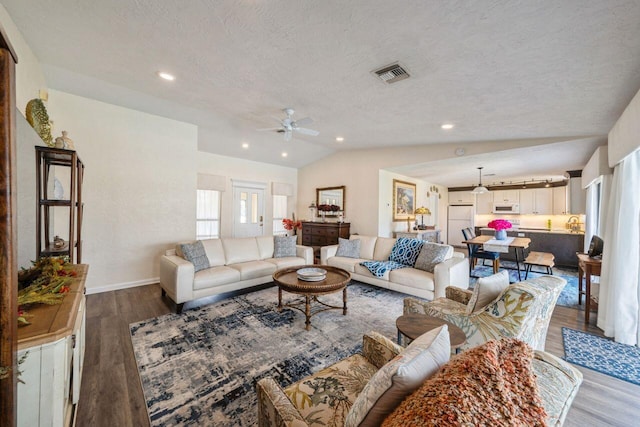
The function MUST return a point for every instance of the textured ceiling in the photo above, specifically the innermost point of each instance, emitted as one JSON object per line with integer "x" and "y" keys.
{"x": 498, "y": 70}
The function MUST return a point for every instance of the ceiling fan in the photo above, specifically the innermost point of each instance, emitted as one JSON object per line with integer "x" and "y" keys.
{"x": 288, "y": 125}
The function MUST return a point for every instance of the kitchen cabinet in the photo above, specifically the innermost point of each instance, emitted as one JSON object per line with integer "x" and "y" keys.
{"x": 432, "y": 236}
{"x": 461, "y": 198}
{"x": 484, "y": 203}
{"x": 506, "y": 196}
{"x": 536, "y": 201}
{"x": 560, "y": 205}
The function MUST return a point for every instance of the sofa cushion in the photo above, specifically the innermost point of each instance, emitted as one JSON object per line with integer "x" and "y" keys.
{"x": 326, "y": 395}
{"x": 399, "y": 378}
{"x": 241, "y": 250}
{"x": 381, "y": 268}
{"x": 492, "y": 384}
{"x": 413, "y": 278}
{"x": 348, "y": 248}
{"x": 215, "y": 276}
{"x": 348, "y": 264}
{"x": 254, "y": 269}
{"x": 406, "y": 251}
{"x": 430, "y": 255}
{"x": 367, "y": 245}
{"x": 195, "y": 254}
{"x": 265, "y": 246}
{"x": 290, "y": 261}
{"x": 215, "y": 252}
{"x": 486, "y": 290}
{"x": 284, "y": 246}
{"x": 383, "y": 248}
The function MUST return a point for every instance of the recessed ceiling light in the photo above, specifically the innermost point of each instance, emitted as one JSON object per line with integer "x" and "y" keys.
{"x": 284, "y": 154}
{"x": 166, "y": 76}
{"x": 245, "y": 145}
{"x": 339, "y": 138}
{"x": 447, "y": 126}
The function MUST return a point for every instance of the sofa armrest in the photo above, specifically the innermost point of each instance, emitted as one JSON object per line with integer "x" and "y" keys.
{"x": 378, "y": 349}
{"x": 452, "y": 272}
{"x": 459, "y": 295}
{"x": 176, "y": 278}
{"x": 327, "y": 252}
{"x": 305, "y": 252}
{"x": 274, "y": 407}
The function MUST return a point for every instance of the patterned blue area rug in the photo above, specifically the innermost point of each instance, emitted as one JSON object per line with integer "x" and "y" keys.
{"x": 200, "y": 367}
{"x": 568, "y": 297}
{"x": 601, "y": 354}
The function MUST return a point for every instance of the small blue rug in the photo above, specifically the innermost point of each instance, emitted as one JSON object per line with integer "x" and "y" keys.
{"x": 568, "y": 297}
{"x": 601, "y": 354}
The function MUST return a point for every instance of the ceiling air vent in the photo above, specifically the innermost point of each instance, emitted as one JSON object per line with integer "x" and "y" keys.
{"x": 391, "y": 73}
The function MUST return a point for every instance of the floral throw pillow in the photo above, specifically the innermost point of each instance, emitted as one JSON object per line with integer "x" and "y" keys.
{"x": 348, "y": 248}
{"x": 195, "y": 254}
{"x": 406, "y": 251}
{"x": 284, "y": 246}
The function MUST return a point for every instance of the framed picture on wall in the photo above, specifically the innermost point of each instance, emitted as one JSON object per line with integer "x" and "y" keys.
{"x": 404, "y": 200}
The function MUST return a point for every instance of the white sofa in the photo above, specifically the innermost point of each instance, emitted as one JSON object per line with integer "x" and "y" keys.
{"x": 234, "y": 264}
{"x": 454, "y": 271}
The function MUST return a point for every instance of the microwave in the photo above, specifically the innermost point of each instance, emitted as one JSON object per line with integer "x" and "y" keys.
{"x": 506, "y": 208}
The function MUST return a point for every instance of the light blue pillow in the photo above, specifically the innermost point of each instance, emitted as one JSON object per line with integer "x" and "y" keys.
{"x": 406, "y": 251}
{"x": 348, "y": 248}
{"x": 284, "y": 246}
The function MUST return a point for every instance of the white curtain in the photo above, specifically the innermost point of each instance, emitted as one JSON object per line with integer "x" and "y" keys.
{"x": 592, "y": 213}
{"x": 619, "y": 311}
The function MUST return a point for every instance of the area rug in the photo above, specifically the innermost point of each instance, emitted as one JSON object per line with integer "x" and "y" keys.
{"x": 200, "y": 367}
{"x": 601, "y": 354}
{"x": 568, "y": 297}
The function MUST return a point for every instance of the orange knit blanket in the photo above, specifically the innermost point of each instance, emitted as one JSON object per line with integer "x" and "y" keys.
{"x": 489, "y": 385}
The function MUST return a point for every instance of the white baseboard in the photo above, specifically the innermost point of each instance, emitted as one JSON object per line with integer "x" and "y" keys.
{"x": 118, "y": 286}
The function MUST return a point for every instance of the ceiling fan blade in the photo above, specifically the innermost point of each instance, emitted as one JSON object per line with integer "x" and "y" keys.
{"x": 267, "y": 129}
{"x": 304, "y": 121}
{"x": 306, "y": 131}
{"x": 287, "y": 135}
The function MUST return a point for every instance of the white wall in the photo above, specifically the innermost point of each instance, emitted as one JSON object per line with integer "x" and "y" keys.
{"x": 623, "y": 137}
{"x": 29, "y": 75}
{"x": 139, "y": 187}
{"x": 245, "y": 170}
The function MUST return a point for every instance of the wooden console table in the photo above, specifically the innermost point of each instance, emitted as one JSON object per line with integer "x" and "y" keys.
{"x": 587, "y": 267}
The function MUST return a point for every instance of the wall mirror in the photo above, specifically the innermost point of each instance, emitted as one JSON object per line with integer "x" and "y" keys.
{"x": 331, "y": 197}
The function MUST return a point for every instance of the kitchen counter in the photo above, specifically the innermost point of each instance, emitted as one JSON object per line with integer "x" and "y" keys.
{"x": 562, "y": 243}
{"x": 537, "y": 230}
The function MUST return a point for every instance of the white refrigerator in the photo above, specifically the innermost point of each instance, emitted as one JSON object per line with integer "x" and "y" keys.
{"x": 459, "y": 217}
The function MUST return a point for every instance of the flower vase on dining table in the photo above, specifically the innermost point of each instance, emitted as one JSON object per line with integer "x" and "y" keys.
{"x": 501, "y": 234}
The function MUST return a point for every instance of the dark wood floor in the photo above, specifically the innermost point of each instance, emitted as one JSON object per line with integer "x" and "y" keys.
{"x": 112, "y": 395}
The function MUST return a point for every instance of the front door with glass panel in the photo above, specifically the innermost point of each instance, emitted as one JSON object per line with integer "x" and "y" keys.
{"x": 248, "y": 211}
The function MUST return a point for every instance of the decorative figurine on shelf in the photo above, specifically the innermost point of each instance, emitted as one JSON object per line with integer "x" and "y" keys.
{"x": 64, "y": 142}
{"x": 58, "y": 242}
{"x": 422, "y": 211}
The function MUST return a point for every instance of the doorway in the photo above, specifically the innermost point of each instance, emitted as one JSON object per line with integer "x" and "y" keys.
{"x": 248, "y": 208}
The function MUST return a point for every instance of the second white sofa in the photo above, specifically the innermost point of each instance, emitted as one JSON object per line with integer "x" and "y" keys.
{"x": 454, "y": 271}
{"x": 233, "y": 264}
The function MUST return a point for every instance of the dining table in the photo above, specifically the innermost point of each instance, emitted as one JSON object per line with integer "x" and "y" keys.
{"x": 518, "y": 244}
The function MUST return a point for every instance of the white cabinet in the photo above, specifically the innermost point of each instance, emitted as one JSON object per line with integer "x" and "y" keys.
{"x": 560, "y": 201}
{"x": 537, "y": 201}
{"x": 506, "y": 196}
{"x": 461, "y": 198}
{"x": 484, "y": 203}
{"x": 52, "y": 370}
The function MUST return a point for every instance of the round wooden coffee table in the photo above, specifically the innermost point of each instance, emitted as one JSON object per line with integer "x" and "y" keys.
{"x": 414, "y": 325}
{"x": 287, "y": 280}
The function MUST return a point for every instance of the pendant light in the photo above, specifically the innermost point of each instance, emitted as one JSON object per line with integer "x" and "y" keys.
{"x": 480, "y": 189}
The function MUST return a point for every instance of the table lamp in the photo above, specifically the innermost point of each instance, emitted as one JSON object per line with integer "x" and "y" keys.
{"x": 422, "y": 211}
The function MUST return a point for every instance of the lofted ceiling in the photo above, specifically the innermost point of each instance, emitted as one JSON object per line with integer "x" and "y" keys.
{"x": 497, "y": 70}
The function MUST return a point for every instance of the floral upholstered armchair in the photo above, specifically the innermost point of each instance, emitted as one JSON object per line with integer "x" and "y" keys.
{"x": 523, "y": 310}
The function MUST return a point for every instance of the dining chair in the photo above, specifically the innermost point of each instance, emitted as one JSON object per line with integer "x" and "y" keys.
{"x": 476, "y": 252}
